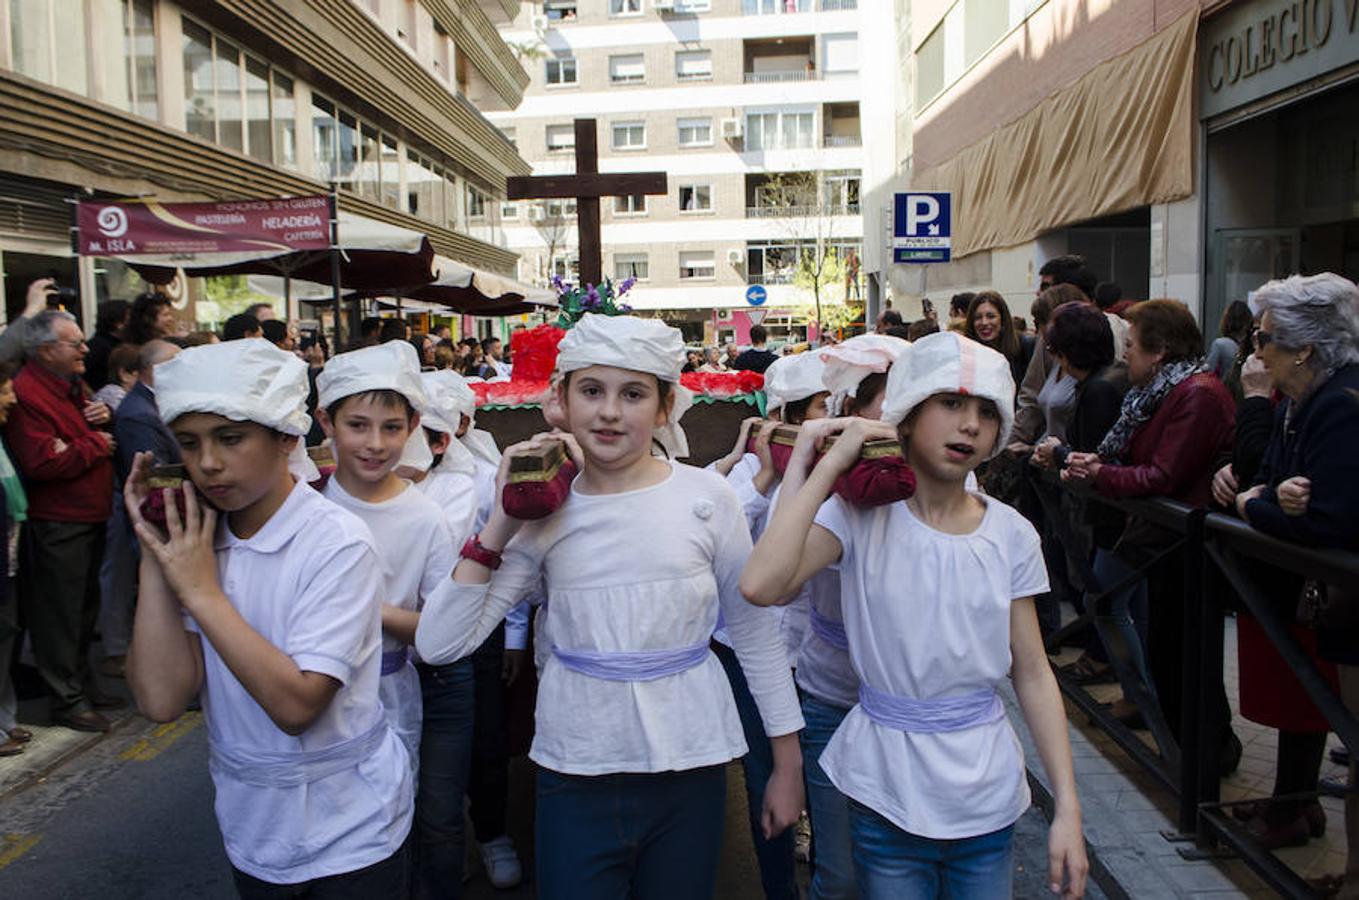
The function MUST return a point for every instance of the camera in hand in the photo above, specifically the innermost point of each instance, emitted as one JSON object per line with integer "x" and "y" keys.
{"x": 60, "y": 295}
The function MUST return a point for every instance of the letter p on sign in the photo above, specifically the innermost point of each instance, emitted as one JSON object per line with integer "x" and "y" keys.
{"x": 921, "y": 209}
{"x": 922, "y": 230}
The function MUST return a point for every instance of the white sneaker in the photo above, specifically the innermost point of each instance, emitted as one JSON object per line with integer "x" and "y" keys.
{"x": 502, "y": 863}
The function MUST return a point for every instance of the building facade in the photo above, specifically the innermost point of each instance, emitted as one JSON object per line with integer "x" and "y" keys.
{"x": 1187, "y": 148}
{"x": 250, "y": 98}
{"x": 752, "y": 108}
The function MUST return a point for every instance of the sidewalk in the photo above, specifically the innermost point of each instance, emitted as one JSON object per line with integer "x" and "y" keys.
{"x": 1126, "y": 810}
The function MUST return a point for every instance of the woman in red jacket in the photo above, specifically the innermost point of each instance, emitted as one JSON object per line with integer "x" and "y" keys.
{"x": 1174, "y": 425}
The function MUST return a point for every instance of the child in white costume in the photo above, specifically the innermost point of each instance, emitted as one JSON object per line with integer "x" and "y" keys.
{"x": 635, "y": 715}
{"x": 936, "y": 594}
{"x": 270, "y": 615}
{"x": 368, "y": 402}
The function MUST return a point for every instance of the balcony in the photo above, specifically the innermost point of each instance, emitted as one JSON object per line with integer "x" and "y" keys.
{"x": 779, "y": 77}
{"x": 789, "y": 7}
{"x": 801, "y": 212}
{"x": 842, "y": 140}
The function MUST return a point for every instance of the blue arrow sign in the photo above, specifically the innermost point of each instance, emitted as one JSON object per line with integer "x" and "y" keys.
{"x": 756, "y": 295}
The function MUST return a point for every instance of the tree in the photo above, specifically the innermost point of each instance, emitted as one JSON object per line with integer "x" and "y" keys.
{"x": 794, "y": 200}
{"x": 833, "y": 310}
{"x": 554, "y": 230}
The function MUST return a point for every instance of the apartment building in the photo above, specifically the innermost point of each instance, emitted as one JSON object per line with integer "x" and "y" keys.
{"x": 1187, "y": 148}
{"x": 199, "y": 100}
{"x": 752, "y": 109}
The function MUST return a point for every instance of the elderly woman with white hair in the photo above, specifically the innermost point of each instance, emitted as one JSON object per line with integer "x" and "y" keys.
{"x": 1307, "y": 487}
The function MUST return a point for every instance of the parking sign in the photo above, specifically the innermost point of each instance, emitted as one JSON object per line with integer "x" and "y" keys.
{"x": 922, "y": 228}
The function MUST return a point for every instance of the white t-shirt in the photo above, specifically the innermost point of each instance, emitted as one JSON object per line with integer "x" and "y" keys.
{"x": 928, "y": 617}
{"x": 308, "y": 582}
{"x": 456, "y": 496}
{"x": 636, "y": 571}
{"x": 417, "y": 556}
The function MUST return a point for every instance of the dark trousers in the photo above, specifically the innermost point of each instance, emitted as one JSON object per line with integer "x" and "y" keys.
{"x": 655, "y": 836}
{"x": 388, "y": 879}
{"x": 777, "y": 866}
{"x": 488, "y": 790}
{"x": 60, "y": 597}
{"x": 448, "y": 693}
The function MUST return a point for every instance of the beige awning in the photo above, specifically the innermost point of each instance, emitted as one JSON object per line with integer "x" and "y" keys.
{"x": 1120, "y": 138}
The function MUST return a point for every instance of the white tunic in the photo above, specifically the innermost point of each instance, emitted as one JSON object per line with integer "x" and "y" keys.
{"x": 308, "y": 582}
{"x": 456, "y": 495}
{"x": 928, "y": 617}
{"x": 636, "y": 571}
{"x": 417, "y": 556}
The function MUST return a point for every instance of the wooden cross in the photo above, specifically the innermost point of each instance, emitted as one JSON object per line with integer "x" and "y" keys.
{"x": 586, "y": 186}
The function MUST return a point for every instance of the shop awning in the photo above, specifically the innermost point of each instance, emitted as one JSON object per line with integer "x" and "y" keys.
{"x": 464, "y": 289}
{"x": 1120, "y": 138}
{"x": 373, "y": 254}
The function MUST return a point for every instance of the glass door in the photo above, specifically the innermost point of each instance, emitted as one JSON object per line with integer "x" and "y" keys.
{"x": 1247, "y": 258}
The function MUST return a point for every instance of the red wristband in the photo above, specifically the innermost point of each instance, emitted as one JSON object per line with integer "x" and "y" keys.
{"x": 474, "y": 551}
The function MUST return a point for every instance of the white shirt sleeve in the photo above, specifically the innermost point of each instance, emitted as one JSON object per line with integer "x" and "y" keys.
{"x": 459, "y": 617}
{"x": 1028, "y": 570}
{"x": 754, "y": 630}
{"x": 329, "y": 622}
{"x": 517, "y": 626}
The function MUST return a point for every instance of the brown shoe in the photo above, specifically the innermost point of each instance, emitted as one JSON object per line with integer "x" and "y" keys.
{"x": 20, "y": 734}
{"x": 88, "y": 720}
{"x": 11, "y": 747}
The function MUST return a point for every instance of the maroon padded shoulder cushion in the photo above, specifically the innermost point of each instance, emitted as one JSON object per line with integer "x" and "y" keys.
{"x": 538, "y": 499}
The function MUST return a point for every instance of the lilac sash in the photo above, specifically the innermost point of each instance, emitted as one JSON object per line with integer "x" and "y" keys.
{"x": 394, "y": 661}
{"x": 830, "y": 631}
{"x": 931, "y": 716}
{"x": 632, "y": 665}
{"x": 290, "y": 768}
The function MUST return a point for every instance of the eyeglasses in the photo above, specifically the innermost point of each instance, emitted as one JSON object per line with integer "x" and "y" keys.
{"x": 1262, "y": 338}
{"x": 74, "y": 345}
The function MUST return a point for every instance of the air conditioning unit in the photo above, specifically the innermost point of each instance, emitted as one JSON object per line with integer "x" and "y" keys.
{"x": 723, "y": 315}
{"x": 539, "y": 23}
{"x": 735, "y": 257}
{"x": 732, "y": 129}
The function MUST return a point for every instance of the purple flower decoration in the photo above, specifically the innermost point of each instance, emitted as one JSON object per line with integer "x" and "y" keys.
{"x": 625, "y": 308}
{"x": 591, "y": 298}
{"x": 557, "y": 284}
{"x": 626, "y": 285}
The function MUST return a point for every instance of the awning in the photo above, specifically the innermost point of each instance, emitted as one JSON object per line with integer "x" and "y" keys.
{"x": 372, "y": 254}
{"x": 463, "y": 289}
{"x": 1120, "y": 138}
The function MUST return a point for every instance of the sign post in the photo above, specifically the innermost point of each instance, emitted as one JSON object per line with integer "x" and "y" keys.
{"x": 922, "y": 227}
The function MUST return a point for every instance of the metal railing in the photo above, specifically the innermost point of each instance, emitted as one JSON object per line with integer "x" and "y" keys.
{"x": 842, "y": 140}
{"x": 838, "y": 5}
{"x": 800, "y": 212}
{"x": 1216, "y": 556}
{"x": 785, "y": 75}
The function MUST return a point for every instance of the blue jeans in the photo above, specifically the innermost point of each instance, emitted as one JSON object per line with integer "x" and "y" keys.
{"x": 1128, "y": 612}
{"x": 892, "y": 864}
{"x": 656, "y": 836}
{"x": 778, "y": 874}
{"x": 449, "y": 695}
{"x": 832, "y": 861}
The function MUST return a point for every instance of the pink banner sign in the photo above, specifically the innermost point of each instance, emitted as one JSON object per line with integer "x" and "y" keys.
{"x": 245, "y": 226}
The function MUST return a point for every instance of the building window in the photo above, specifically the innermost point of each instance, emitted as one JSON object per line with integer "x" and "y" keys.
{"x": 47, "y": 41}
{"x": 629, "y": 69}
{"x": 391, "y": 173}
{"x": 692, "y": 6}
{"x": 695, "y": 265}
{"x": 567, "y": 267}
{"x": 559, "y": 209}
{"x": 695, "y": 132}
{"x": 561, "y": 137}
{"x": 443, "y": 54}
{"x": 476, "y": 203}
{"x": 238, "y": 101}
{"x": 629, "y": 136}
{"x": 625, "y": 7}
{"x": 424, "y": 189}
{"x": 509, "y": 210}
{"x": 694, "y": 65}
{"x": 779, "y": 130}
{"x": 405, "y": 28}
{"x": 839, "y": 54}
{"x": 775, "y": 261}
{"x": 631, "y": 265}
{"x": 774, "y": 7}
{"x": 696, "y": 198}
{"x": 631, "y": 205}
{"x": 560, "y": 10}
{"x": 842, "y": 192}
{"x": 561, "y": 70}
{"x": 139, "y": 54}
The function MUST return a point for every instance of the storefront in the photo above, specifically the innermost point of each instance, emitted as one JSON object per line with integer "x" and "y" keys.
{"x": 1279, "y": 99}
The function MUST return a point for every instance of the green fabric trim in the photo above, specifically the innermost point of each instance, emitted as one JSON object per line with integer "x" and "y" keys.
{"x": 755, "y": 399}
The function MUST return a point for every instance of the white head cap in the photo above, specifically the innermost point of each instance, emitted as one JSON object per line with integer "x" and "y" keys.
{"x": 640, "y": 345}
{"x": 447, "y": 400}
{"x": 850, "y": 362}
{"x": 792, "y": 378}
{"x": 393, "y": 366}
{"x": 948, "y": 363}
{"x": 245, "y": 381}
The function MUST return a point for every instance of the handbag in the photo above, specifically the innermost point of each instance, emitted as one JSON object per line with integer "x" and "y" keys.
{"x": 1327, "y": 606}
